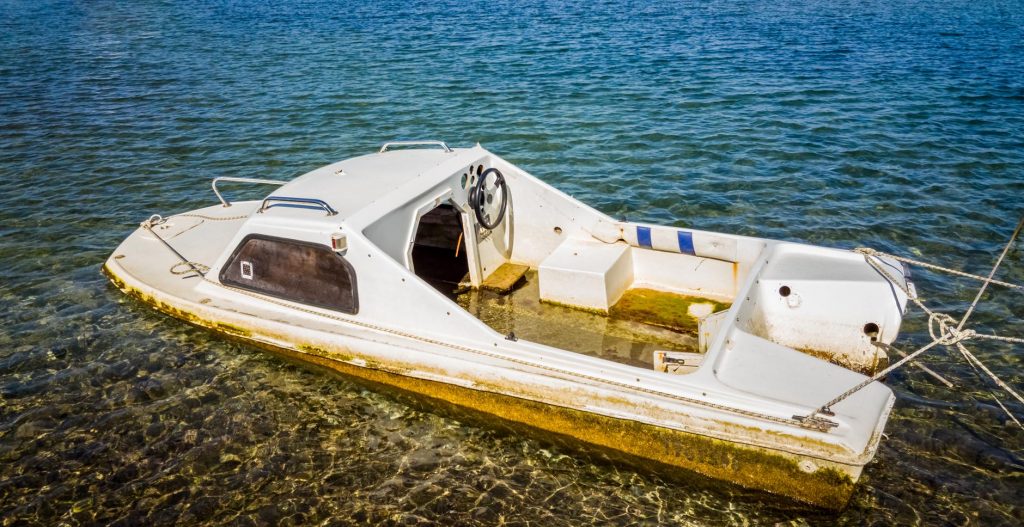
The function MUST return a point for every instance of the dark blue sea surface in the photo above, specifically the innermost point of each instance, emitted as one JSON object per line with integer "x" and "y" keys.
{"x": 892, "y": 124}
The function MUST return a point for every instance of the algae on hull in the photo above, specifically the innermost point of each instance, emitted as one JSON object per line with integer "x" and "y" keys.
{"x": 749, "y": 466}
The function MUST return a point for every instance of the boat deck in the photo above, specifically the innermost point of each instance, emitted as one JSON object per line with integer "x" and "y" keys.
{"x": 616, "y": 337}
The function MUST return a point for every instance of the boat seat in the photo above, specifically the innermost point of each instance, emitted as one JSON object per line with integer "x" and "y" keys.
{"x": 586, "y": 273}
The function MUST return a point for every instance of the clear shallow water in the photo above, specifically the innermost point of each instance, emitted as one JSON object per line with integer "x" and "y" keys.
{"x": 898, "y": 125}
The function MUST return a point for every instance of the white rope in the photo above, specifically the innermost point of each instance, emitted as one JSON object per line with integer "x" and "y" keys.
{"x": 943, "y": 329}
{"x": 1016, "y": 340}
{"x": 177, "y": 269}
{"x": 991, "y": 273}
{"x": 971, "y": 358}
{"x": 152, "y": 221}
{"x": 926, "y": 369}
{"x": 872, "y": 252}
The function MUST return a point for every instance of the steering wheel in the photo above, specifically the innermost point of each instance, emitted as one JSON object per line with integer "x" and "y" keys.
{"x": 489, "y": 198}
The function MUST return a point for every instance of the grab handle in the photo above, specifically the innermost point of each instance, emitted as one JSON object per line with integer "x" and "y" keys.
{"x": 302, "y": 201}
{"x": 227, "y": 203}
{"x": 442, "y": 144}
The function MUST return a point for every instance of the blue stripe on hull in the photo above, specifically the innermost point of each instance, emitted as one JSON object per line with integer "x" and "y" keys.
{"x": 686, "y": 242}
{"x": 643, "y": 236}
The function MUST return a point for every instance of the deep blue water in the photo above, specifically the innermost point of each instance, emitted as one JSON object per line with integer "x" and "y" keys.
{"x": 892, "y": 124}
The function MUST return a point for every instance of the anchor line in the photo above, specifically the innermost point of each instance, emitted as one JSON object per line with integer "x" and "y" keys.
{"x": 943, "y": 329}
{"x": 873, "y": 252}
{"x": 992, "y": 273}
{"x": 976, "y": 365}
{"x": 926, "y": 369}
{"x": 812, "y": 421}
{"x": 156, "y": 219}
{"x": 193, "y": 267}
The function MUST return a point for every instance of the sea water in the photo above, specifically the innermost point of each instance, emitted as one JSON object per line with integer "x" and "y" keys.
{"x": 897, "y": 125}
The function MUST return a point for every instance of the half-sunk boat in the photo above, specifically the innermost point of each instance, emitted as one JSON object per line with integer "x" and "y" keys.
{"x": 452, "y": 273}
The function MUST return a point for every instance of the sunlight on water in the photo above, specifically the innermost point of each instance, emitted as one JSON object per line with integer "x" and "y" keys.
{"x": 896, "y": 125}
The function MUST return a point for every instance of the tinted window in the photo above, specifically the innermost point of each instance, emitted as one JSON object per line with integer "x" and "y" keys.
{"x": 303, "y": 272}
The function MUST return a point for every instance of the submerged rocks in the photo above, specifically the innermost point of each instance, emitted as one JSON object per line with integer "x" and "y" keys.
{"x": 33, "y": 429}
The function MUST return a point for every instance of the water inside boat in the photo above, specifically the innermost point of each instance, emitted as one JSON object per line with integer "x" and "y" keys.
{"x": 641, "y": 322}
{"x": 522, "y": 313}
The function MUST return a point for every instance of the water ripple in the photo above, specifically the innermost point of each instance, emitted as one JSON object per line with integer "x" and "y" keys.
{"x": 898, "y": 125}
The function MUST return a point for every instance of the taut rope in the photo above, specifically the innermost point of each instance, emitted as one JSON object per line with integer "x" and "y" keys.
{"x": 944, "y": 329}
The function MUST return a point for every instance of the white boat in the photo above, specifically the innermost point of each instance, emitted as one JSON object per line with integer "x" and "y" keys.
{"x": 452, "y": 273}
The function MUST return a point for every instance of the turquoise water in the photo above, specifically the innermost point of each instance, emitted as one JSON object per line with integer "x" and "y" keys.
{"x": 897, "y": 125}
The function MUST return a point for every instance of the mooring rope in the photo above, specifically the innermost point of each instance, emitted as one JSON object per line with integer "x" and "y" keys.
{"x": 176, "y": 269}
{"x": 872, "y": 252}
{"x": 988, "y": 280}
{"x": 156, "y": 219}
{"x": 926, "y": 369}
{"x": 193, "y": 267}
{"x": 943, "y": 329}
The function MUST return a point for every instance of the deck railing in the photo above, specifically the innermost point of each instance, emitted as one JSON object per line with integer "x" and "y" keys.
{"x": 442, "y": 144}
{"x": 225, "y": 202}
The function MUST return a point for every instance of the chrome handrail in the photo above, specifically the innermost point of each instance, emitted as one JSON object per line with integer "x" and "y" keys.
{"x": 442, "y": 144}
{"x": 306, "y": 201}
{"x": 225, "y": 202}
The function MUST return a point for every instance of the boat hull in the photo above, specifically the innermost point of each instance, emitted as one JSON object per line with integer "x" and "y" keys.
{"x": 813, "y": 479}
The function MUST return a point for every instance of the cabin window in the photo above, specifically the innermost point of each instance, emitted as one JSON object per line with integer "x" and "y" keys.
{"x": 299, "y": 271}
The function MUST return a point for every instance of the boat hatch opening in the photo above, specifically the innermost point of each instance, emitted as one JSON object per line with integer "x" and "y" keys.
{"x": 439, "y": 250}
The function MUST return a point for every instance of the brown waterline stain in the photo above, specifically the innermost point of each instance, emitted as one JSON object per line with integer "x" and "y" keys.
{"x": 745, "y": 465}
